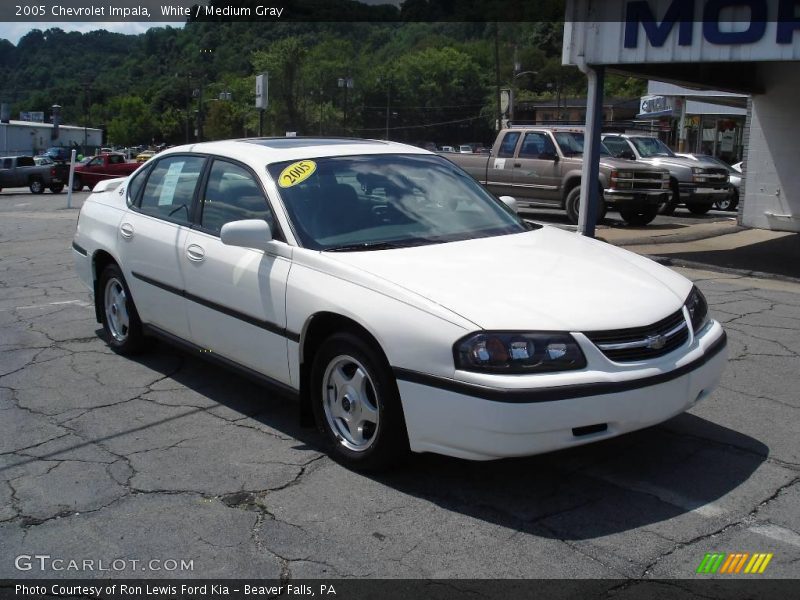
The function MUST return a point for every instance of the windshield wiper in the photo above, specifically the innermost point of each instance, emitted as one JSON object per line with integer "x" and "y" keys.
{"x": 363, "y": 246}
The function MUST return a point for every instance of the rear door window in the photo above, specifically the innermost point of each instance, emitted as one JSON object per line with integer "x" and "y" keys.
{"x": 170, "y": 188}
{"x": 508, "y": 144}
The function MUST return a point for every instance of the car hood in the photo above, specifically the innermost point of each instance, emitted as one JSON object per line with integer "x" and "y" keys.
{"x": 679, "y": 161}
{"x": 541, "y": 279}
{"x": 622, "y": 163}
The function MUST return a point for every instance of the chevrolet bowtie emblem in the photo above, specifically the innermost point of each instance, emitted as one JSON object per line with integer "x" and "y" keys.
{"x": 656, "y": 342}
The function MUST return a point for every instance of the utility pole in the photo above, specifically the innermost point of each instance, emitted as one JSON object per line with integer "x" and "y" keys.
{"x": 346, "y": 83}
{"x": 388, "y": 102}
{"x": 497, "y": 73}
{"x": 87, "y": 100}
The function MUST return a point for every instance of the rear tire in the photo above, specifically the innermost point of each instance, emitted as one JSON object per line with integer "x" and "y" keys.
{"x": 119, "y": 316}
{"x": 639, "y": 217}
{"x": 698, "y": 209}
{"x": 356, "y": 404}
{"x": 36, "y": 186}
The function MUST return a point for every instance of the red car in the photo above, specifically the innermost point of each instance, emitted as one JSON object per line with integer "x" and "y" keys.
{"x": 102, "y": 166}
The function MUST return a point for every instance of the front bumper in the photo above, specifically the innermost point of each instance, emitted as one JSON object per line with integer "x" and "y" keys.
{"x": 480, "y": 423}
{"x": 699, "y": 194}
{"x": 617, "y": 198}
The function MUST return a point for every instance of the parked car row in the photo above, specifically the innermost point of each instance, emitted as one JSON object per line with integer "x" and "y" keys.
{"x": 461, "y": 149}
{"x": 541, "y": 166}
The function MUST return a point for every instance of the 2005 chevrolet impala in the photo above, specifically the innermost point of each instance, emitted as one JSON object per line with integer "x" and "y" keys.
{"x": 404, "y": 306}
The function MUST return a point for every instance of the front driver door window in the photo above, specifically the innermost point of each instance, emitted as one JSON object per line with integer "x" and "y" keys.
{"x": 239, "y": 291}
{"x": 536, "y": 172}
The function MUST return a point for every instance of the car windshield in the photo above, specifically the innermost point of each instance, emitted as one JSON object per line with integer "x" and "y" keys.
{"x": 385, "y": 201}
{"x": 650, "y": 146}
{"x": 571, "y": 143}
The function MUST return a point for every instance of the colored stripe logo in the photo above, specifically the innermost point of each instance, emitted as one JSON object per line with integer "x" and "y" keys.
{"x": 734, "y": 563}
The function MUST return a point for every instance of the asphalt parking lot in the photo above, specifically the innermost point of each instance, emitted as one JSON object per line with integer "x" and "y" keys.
{"x": 168, "y": 458}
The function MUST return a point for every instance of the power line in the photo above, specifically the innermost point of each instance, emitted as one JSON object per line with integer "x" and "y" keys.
{"x": 420, "y": 126}
{"x": 430, "y": 107}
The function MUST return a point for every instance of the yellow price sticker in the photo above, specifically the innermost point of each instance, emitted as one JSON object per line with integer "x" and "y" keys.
{"x": 296, "y": 173}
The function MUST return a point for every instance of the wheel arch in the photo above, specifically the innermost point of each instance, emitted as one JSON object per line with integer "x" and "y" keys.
{"x": 571, "y": 181}
{"x": 317, "y": 328}
{"x": 100, "y": 260}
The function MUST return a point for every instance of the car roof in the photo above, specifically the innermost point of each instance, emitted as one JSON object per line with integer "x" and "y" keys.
{"x": 278, "y": 149}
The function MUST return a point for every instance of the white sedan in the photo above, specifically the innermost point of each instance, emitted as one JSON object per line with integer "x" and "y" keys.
{"x": 403, "y": 305}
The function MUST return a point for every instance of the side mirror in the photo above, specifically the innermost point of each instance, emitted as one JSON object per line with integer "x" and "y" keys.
{"x": 627, "y": 154}
{"x": 249, "y": 233}
{"x": 510, "y": 202}
{"x": 549, "y": 156}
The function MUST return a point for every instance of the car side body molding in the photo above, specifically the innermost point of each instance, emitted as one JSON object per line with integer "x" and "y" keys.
{"x": 266, "y": 325}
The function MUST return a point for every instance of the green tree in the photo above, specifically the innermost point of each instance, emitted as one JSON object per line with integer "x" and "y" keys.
{"x": 284, "y": 62}
{"x": 132, "y": 121}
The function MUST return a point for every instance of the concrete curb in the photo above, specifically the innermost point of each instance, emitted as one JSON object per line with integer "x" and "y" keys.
{"x": 677, "y": 238}
{"x": 692, "y": 264}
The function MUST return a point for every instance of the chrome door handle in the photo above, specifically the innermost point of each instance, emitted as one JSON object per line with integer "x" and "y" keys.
{"x": 126, "y": 230}
{"x": 195, "y": 253}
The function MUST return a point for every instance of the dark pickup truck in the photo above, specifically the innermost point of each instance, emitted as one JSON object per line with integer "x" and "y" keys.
{"x": 542, "y": 166}
{"x": 22, "y": 171}
{"x": 109, "y": 165}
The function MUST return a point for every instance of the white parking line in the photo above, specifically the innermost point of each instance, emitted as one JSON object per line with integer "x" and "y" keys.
{"x": 31, "y": 306}
{"x": 776, "y": 532}
{"x": 23, "y": 204}
{"x": 698, "y": 507}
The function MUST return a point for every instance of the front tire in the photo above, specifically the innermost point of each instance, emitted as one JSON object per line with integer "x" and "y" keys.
{"x": 77, "y": 184}
{"x": 56, "y": 189}
{"x": 639, "y": 217}
{"x": 730, "y": 203}
{"x": 119, "y": 316}
{"x": 572, "y": 206}
{"x": 356, "y": 404}
{"x": 669, "y": 207}
{"x": 36, "y": 186}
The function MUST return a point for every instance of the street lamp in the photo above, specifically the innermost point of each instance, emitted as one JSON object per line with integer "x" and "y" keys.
{"x": 513, "y": 79}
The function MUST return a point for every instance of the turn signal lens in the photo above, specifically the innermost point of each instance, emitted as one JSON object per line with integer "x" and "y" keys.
{"x": 698, "y": 309}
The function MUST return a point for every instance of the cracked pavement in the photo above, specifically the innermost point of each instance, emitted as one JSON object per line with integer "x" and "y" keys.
{"x": 166, "y": 457}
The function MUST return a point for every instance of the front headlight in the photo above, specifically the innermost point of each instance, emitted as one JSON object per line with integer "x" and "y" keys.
{"x": 517, "y": 353}
{"x": 698, "y": 309}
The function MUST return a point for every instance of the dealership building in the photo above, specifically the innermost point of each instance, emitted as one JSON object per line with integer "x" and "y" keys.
{"x": 29, "y": 138}
{"x": 746, "y": 50}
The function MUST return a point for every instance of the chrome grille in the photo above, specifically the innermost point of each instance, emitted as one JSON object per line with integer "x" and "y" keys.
{"x": 642, "y": 343}
{"x": 646, "y": 180}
